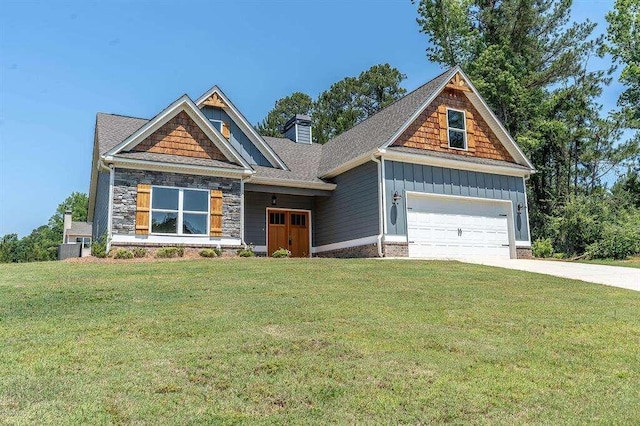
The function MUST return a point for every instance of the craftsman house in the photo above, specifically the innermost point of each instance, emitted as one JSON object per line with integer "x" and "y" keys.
{"x": 432, "y": 175}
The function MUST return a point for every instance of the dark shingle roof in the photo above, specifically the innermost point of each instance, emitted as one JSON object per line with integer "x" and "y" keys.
{"x": 80, "y": 228}
{"x": 177, "y": 159}
{"x": 301, "y": 159}
{"x": 113, "y": 129}
{"x": 377, "y": 129}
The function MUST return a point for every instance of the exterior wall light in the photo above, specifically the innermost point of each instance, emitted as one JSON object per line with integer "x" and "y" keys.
{"x": 520, "y": 207}
{"x": 274, "y": 200}
{"x": 396, "y": 197}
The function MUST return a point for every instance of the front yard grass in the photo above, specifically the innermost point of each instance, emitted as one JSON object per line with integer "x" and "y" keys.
{"x": 313, "y": 341}
{"x": 632, "y": 262}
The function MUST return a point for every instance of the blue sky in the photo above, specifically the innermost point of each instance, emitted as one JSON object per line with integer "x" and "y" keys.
{"x": 61, "y": 62}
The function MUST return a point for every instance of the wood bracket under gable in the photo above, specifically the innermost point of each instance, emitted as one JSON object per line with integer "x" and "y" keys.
{"x": 214, "y": 101}
{"x": 458, "y": 83}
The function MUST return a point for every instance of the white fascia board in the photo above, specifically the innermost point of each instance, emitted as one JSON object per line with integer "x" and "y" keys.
{"x": 131, "y": 163}
{"x": 258, "y": 180}
{"x": 422, "y": 107}
{"x": 174, "y": 240}
{"x": 448, "y": 163}
{"x": 350, "y": 164}
{"x": 181, "y": 104}
{"x": 246, "y": 127}
{"x": 373, "y": 239}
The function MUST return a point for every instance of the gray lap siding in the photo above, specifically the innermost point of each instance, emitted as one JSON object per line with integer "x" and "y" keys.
{"x": 125, "y": 196}
{"x": 255, "y": 208}
{"x": 402, "y": 177}
{"x": 351, "y": 212}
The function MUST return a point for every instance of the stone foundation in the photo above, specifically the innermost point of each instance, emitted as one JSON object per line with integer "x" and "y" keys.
{"x": 368, "y": 250}
{"x": 396, "y": 249}
{"x": 523, "y": 253}
{"x": 190, "y": 251}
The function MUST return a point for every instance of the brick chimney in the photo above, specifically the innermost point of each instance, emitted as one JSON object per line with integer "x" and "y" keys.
{"x": 298, "y": 129}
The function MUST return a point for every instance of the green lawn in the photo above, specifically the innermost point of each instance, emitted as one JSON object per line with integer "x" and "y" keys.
{"x": 313, "y": 341}
{"x": 633, "y": 262}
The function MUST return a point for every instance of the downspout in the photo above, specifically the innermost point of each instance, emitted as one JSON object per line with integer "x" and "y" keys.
{"x": 110, "y": 214}
{"x": 380, "y": 205}
{"x": 242, "y": 179}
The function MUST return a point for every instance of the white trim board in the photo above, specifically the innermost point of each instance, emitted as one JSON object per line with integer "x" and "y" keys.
{"x": 449, "y": 163}
{"x": 135, "y": 164}
{"x": 175, "y": 240}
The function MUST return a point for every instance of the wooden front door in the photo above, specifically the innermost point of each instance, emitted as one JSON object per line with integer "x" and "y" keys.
{"x": 290, "y": 230}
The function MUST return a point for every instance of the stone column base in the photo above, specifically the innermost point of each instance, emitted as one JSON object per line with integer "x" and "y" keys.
{"x": 368, "y": 250}
{"x": 523, "y": 253}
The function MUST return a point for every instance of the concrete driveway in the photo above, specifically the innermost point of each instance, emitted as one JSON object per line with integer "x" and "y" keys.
{"x": 616, "y": 276}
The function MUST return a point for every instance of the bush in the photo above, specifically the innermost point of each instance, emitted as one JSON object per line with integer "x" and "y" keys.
{"x": 208, "y": 253}
{"x": 281, "y": 252}
{"x": 169, "y": 252}
{"x": 123, "y": 254}
{"x": 139, "y": 252}
{"x": 218, "y": 251}
{"x": 542, "y": 247}
{"x": 246, "y": 252}
{"x": 617, "y": 242}
{"x": 99, "y": 247}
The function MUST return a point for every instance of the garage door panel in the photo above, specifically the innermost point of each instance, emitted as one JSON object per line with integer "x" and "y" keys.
{"x": 456, "y": 228}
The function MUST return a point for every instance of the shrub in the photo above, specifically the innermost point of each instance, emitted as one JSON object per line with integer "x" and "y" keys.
{"x": 542, "y": 247}
{"x": 208, "y": 253}
{"x": 246, "y": 252}
{"x": 139, "y": 252}
{"x": 281, "y": 252}
{"x": 617, "y": 242}
{"x": 99, "y": 247}
{"x": 167, "y": 252}
{"x": 180, "y": 251}
{"x": 218, "y": 251}
{"x": 559, "y": 256}
{"x": 123, "y": 254}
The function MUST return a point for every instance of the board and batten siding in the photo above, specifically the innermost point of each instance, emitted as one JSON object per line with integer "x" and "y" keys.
{"x": 255, "y": 213}
{"x": 238, "y": 139}
{"x": 101, "y": 212}
{"x": 403, "y": 177}
{"x": 351, "y": 211}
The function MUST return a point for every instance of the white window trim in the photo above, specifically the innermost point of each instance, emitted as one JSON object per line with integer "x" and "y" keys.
{"x": 180, "y": 212}
{"x": 215, "y": 120}
{"x": 464, "y": 131}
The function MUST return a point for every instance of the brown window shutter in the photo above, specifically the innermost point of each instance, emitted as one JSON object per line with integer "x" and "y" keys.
{"x": 215, "y": 225}
{"x": 143, "y": 201}
{"x": 442, "y": 118}
{"x": 471, "y": 140}
{"x": 225, "y": 130}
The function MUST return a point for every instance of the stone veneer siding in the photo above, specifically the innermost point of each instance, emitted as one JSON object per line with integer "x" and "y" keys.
{"x": 368, "y": 250}
{"x": 396, "y": 249}
{"x": 523, "y": 253}
{"x": 125, "y": 193}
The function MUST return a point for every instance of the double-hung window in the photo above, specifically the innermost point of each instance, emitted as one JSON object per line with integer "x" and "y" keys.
{"x": 456, "y": 126}
{"x": 179, "y": 211}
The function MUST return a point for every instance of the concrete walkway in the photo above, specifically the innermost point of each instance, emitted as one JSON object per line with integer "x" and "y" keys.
{"x": 616, "y": 276}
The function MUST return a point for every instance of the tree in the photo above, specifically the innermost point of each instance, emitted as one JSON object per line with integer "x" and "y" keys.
{"x": 353, "y": 99}
{"x": 42, "y": 243}
{"x": 623, "y": 35}
{"x": 283, "y": 110}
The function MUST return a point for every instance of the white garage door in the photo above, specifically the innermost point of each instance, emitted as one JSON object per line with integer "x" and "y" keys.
{"x": 450, "y": 227}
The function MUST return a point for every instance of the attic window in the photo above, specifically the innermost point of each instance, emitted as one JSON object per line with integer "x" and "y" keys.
{"x": 217, "y": 124}
{"x": 457, "y": 129}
